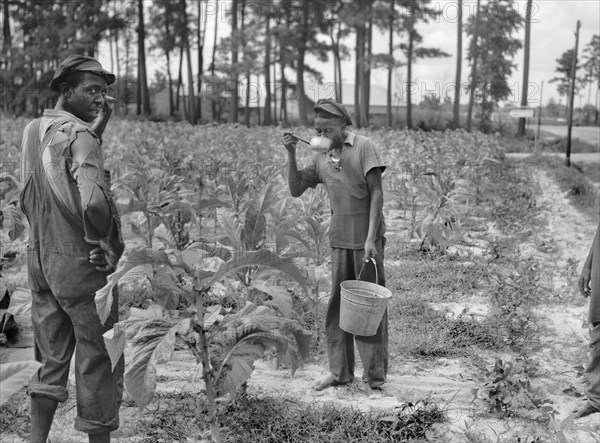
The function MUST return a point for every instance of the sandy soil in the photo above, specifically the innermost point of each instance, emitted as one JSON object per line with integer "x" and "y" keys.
{"x": 447, "y": 382}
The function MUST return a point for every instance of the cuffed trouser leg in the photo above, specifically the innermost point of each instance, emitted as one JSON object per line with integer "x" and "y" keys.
{"x": 99, "y": 389}
{"x": 373, "y": 351}
{"x": 58, "y": 325}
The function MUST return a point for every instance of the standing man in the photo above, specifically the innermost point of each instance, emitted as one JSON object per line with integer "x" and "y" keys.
{"x": 74, "y": 243}
{"x": 589, "y": 286}
{"x": 351, "y": 171}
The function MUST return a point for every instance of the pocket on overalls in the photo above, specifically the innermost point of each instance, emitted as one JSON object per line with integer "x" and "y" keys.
{"x": 34, "y": 271}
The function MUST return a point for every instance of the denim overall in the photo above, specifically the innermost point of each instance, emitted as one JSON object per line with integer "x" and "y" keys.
{"x": 63, "y": 285}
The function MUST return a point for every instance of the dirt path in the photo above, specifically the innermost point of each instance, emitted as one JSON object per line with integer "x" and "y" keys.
{"x": 445, "y": 381}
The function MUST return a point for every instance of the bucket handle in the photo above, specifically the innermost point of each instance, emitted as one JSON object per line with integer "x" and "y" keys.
{"x": 371, "y": 259}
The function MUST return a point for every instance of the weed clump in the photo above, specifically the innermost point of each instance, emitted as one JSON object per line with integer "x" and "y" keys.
{"x": 271, "y": 420}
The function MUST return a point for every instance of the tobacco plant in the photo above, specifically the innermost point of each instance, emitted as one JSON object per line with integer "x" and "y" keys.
{"x": 225, "y": 343}
{"x": 441, "y": 198}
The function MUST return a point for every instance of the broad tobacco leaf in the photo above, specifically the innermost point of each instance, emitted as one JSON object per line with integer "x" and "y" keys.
{"x": 11, "y": 218}
{"x": 166, "y": 287}
{"x": 238, "y": 366}
{"x": 240, "y": 338}
{"x": 153, "y": 343}
{"x": 261, "y": 258}
{"x": 281, "y": 298}
{"x": 130, "y": 268}
{"x": 115, "y": 340}
{"x": 15, "y": 375}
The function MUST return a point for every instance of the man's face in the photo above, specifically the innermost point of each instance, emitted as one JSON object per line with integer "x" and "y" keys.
{"x": 331, "y": 128}
{"x": 86, "y": 100}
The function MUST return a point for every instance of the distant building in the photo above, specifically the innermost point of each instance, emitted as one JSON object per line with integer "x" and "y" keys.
{"x": 313, "y": 92}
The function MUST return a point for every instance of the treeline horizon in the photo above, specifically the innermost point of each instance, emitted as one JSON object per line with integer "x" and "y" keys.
{"x": 267, "y": 43}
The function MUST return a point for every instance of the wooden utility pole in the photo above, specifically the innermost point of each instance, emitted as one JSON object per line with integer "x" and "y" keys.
{"x": 539, "y": 119}
{"x": 572, "y": 93}
{"x": 521, "y": 130}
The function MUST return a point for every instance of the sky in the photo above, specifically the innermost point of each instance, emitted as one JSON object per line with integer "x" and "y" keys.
{"x": 552, "y": 33}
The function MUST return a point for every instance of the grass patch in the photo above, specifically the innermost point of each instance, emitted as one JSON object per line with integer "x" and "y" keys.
{"x": 574, "y": 182}
{"x": 436, "y": 277}
{"x": 417, "y": 328}
{"x": 560, "y": 145}
{"x": 14, "y": 416}
{"x": 275, "y": 420}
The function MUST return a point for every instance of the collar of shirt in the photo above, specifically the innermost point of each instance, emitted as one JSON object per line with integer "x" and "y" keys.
{"x": 53, "y": 113}
{"x": 350, "y": 139}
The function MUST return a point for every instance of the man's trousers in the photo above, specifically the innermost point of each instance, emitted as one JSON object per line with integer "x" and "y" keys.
{"x": 346, "y": 264}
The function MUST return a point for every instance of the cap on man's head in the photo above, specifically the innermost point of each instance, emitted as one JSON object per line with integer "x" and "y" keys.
{"x": 76, "y": 62}
{"x": 332, "y": 107}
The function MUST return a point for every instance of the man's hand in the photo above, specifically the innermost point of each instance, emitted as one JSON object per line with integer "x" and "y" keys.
{"x": 102, "y": 120}
{"x": 584, "y": 281}
{"x": 103, "y": 258}
{"x": 289, "y": 141}
{"x": 370, "y": 249}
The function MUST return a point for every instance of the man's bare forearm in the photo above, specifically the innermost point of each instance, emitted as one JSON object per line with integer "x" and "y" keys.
{"x": 375, "y": 213}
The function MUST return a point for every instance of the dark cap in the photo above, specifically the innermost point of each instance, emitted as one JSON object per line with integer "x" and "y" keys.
{"x": 76, "y": 62}
{"x": 332, "y": 107}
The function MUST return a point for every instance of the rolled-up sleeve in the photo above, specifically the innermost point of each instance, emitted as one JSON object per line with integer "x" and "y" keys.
{"x": 88, "y": 171}
{"x": 371, "y": 157}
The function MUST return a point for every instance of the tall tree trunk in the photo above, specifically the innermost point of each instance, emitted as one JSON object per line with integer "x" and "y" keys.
{"x": 6, "y": 45}
{"x": 190, "y": 75}
{"x": 247, "y": 79}
{"x": 300, "y": 68}
{"x": 275, "y": 55}
{"x": 366, "y": 87}
{"x": 283, "y": 109}
{"x": 457, "y": 88}
{"x": 6, "y": 35}
{"x": 179, "y": 80}
{"x": 360, "y": 72}
{"x": 118, "y": 89}
{"x": 138, "y": 87}
{"x": 258, "y": 122}
{"x": 127, "y": 48}
{"x": 201, "y": 35}
{"x": 111, "y": 52}
{"x": 235, "y": 39}
{"x": 142, "y": 60}
{"x": 409, "y": 59}
{"x": 521, "y": 130}
{"x": 391, "y": 65}
{"x": 267, "y": 118}
{"x": 169, "y": 76}
{"x": 336, "y": 55}
{"x": 212, "y": 65}
{"x": 474, "y": 52}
